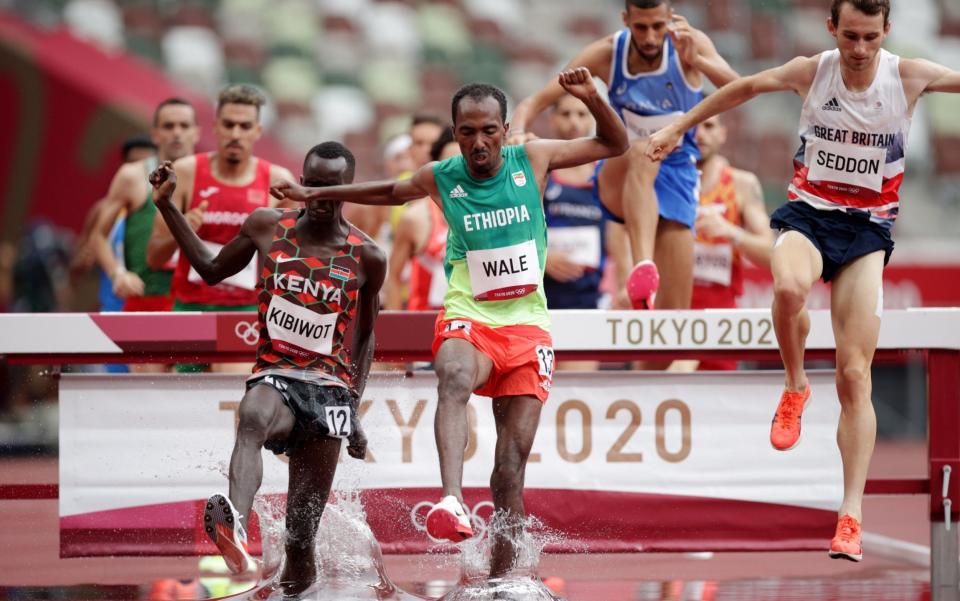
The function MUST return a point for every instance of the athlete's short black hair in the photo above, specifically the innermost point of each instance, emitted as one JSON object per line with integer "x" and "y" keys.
{"x": 172, "y": 102}
{"x": 867, "y": 7}
{"x": 133, "y": 143}
{"x": 421, "y": 118}
{"x": 446, "y": 137}
{"x": 645, "y": 3}
{"x": 333, "y": 150}
{"x": 477, "y": 92}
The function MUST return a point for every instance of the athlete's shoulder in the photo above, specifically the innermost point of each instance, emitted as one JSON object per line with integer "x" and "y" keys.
{"x": 186, "y": 165}
{"x": 278, "y": 171}
{"x": 132, "y": 172}
{"x": 747, "y": 185}
{"x": 371, "y": 253}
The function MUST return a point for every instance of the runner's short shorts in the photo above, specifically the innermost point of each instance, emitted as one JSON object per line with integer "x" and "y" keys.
{"x": 839, "y": 237}
{"x": 522, "y": 355}
{"x": 319, "y": 411}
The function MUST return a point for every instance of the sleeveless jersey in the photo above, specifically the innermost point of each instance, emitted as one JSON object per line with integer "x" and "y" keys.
{"x": 228, "y": 207}
{"x": 305, "y": 304}
{"x": 107, "y": 299}
{"x": 497, "y": 242}
{"x": 575, "y": 227}
{"x": 428, "y": 282}
{"x": 648, "y": 102}
{"x": 718, "y": 266}
{"x": 851, "y": 155}
{"x": 156, "y": 282}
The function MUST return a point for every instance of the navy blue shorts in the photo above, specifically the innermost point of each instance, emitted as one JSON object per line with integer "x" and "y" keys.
{"x": 839, "y": 237}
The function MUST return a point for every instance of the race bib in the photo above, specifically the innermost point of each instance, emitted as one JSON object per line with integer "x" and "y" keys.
{"x": 246, "y": 278}
{"x": 298, "y": 331}
{"x": 504, "y": 273}
{"x": 338, "y": 421}
{"x": 855, "y": 166}
{"x": 712, "y": 263}
{"x": 580, "y": 244}
{"x": 644, "y": 126}
{"x": 438, "y": 285}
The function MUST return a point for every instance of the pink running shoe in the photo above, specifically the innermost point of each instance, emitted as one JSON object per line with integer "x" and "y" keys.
{"x": 785, "y": 428}
{"x": 846, "y": 542}
{"x": 642, "y": 284}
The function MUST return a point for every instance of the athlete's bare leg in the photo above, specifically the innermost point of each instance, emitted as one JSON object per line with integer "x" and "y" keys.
{"x": 311, "y": 470}
{"x": 855, "y": 312}
{"x": 674, "y": 258}
{"x": 262, "y": 416}
{"x": 625, "y": 185}
{"x": 517, "y": 418}
{"x": 796, "y": 265}
{"x": 460, "y": 368}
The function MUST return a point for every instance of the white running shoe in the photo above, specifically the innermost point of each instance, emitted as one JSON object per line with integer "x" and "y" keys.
{"x": 222, "y": 524}
{"x": 448, "y": 520}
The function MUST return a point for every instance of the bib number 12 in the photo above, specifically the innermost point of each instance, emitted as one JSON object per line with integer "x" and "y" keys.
{"x": 338, "y": 421}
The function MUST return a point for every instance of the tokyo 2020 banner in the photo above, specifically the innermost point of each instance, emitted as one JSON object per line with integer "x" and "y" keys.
{"x": 622, "y": 462}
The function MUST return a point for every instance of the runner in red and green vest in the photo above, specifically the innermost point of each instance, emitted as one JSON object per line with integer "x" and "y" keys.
{"x": 493, "y": 335}
{"x": 317, "y": 274}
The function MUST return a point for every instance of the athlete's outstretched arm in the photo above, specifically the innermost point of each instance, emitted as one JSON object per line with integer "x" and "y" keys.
{"x": 611, "y": 137}
{"x": 391, "y": 192}
{"x": 374, "y": 271}
{"x": 922, "y": 77}
{"x": 232, "y": 258}
{"x": 796, "y": 75}
{"x": 595, "y": 57}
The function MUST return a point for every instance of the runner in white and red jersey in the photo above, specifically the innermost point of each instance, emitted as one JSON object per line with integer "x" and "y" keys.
{"x": 217, "y": 191}
{"x": 857, "y": 104}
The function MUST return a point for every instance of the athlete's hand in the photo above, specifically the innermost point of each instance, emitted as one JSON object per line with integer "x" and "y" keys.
{"x": 561, "y": 268}
{"x": 164, "y": 182}
{"x": 682, "y": 35}
{"x": 285, "y": 189}
{"x": 195, "y": 215}
{"x": 127, "y": 284}
{"x": 662, "y": 143}
{"x": 357, "y": 443}
{"x": 578, "y": 82}
{"x": 713, "y": 225}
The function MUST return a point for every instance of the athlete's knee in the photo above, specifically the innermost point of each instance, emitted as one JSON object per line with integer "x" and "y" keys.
{"x": 853, "y": 373}
{"x": 456, "y": 379}
{"x": 507, "y": 477}
{"x": 640, "y": 165}
{"x": 254, "y": 421}
{"x": 791, "y": 292}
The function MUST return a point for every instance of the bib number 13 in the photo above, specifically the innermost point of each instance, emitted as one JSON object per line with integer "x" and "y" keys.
{"x": 545, "y": 359}
{"x": 338, "y": 421}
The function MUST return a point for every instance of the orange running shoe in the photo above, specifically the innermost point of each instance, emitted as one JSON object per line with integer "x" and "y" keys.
{"x": 846, "y": 542}
{"x": 785, "y": 429}
{"x": 642, "y": 284}
{"x": 222, "y": 524}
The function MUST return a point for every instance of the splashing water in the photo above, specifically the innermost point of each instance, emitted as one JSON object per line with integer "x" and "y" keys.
{"x": 348, "y": 558}
{"x": 527, "y": 539}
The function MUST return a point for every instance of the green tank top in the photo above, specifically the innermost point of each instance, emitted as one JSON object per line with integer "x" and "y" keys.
{"x": 496, "y": 244}
{"x": 135, "y": 238}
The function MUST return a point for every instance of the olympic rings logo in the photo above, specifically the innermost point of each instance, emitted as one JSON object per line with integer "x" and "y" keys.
{"x": 478, "y": 523}
{"x": 247, "y": 331}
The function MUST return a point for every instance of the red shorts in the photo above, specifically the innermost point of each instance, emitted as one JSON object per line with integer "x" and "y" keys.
{"x": 714, "y": 297}
{"x": 522, "y": 356}
{"x": 139, "y": 304}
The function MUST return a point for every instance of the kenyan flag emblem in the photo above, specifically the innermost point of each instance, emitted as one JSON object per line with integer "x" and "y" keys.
{"x": 340, "y": 273}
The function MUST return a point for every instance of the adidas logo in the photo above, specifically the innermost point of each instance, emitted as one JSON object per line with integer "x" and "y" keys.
{"x": 458, "y": 192}
{"x": 833, "y": 105}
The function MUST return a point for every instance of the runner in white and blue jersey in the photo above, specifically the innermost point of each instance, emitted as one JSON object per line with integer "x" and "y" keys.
{"x": 653, "y": 69}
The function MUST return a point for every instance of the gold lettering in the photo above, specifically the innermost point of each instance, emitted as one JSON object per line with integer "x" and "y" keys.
{"x": 685, "y": 442}
{"x": 634, "y": 324}
{"x": 407, "y": 427}
{"x": 586, "y": 446}
{"x": 613, "y": 329}
{"x": 616, "y": 454}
